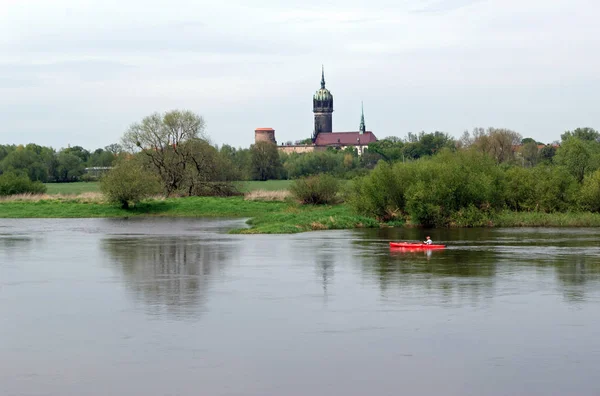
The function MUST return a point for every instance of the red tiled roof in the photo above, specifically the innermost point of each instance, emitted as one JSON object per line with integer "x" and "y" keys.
{"x": 264, "y": 129}
{"x": 344, "y": 138}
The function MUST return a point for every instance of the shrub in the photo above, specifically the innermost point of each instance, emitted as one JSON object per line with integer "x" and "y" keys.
{"x": 316, "y": 190}
{"x": 129, "y": 182}
{"x": 590, "y": 192}
{"x": 11, "y": 183}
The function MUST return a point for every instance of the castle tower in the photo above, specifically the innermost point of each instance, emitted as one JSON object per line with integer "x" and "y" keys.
{"x": 264, "y": 135}
{"x": 323, "y": 109}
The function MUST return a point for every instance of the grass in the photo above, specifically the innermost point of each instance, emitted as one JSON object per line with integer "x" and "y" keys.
{"x": 269, "y": 185}
{"x": 84, "y": 187}
{"x": 72, "y": 188}
{"x": 538, "y": 219}
{"x": 267, "y": 217}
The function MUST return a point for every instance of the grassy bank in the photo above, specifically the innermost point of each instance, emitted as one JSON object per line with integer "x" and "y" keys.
{"x": 266, "y": 216}
{"x": 537, "y": 219}
{"x": 77, "y": 188}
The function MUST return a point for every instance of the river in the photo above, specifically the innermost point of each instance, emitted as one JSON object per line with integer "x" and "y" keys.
{"x": 162, "y": 306}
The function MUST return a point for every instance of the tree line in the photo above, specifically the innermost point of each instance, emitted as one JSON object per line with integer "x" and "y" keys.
{"x": 487, "y": 171}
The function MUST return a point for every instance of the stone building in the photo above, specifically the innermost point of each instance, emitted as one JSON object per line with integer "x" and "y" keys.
{"x": 323, "y": 136}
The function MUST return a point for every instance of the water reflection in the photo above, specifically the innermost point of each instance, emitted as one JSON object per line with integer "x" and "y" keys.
{"x": 440, "y": 275}
{"x": 169, "y": 274}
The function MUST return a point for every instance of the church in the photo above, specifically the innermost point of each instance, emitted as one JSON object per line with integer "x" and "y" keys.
{"x": 323, "y": 136}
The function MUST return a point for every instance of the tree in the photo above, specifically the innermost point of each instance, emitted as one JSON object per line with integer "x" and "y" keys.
{"x": 265, "y": 161}
{"x": 576, "y": 156}
{"x": 69, "y": 167}
{"x": 498, "y": 143}
{"x": 25, "y": 161}
{"x": 128, "y": 183}
{"x": 589, "y": 134}
{"x": 547, "y": 154}
{"x": 162, "y": 139}
{"x": 530, "y": 153}
{"x": 78, "y": 151}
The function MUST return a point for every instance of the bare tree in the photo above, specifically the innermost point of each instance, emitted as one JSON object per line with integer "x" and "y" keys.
{"x": 499, "y": 143}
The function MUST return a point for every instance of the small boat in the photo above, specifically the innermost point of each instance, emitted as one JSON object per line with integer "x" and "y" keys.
{"x": 415, "y": 245}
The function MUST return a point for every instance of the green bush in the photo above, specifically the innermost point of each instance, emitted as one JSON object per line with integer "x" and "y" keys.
{"x": 316, "y": 190}
{"x": 590, "y": 192}
{"x": 11, "y": 183}
{"x": 430, "y": 190}
{"x": 128, "y": 183}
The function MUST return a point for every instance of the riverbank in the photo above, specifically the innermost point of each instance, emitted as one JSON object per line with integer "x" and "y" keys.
{"x": 265, "y": 217}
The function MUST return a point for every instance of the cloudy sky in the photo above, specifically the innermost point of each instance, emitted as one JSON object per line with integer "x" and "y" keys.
{"x": 79, "y": 72}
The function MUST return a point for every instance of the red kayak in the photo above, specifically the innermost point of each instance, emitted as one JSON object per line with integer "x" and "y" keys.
{"x": 412, "y": 245}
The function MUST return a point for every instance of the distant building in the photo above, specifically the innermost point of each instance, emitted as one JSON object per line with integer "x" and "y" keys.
{"x": 323, "y": 136}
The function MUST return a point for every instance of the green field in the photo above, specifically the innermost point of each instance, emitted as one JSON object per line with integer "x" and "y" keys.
{"x": 83, "y": 187}
{"x": 72, "y": 188}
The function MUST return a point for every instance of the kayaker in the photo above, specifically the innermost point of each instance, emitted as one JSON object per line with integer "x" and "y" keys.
{"x": 428, "y": 241}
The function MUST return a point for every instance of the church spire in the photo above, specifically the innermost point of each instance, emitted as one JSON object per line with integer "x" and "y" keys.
{"x": 362, "y": 127}
{"x": 322, "y": 77}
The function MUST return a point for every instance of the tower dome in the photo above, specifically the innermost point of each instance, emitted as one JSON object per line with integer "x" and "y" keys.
{"x": 323, "y": 108}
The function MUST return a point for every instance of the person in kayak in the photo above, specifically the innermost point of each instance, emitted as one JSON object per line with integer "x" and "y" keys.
{"x": 428, "y": 241}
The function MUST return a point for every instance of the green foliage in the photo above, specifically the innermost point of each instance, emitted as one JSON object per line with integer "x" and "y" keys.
{"x": 587, "y": 133}
{"x": 429, "y": 191}
{"x": 555, "y": 189}
{"x": 590, "y": 192}
{"x": 265, "y": 162}
{"x": 11, "y": 183}
{"x": 520, "y": 192}
{"x": 578, "y": 156}
{"x": 306, "y": 164}
{"x": 547, "y": 153}
{"x": 315, "y": 190}
{"x": 70, "y": 167}
{"x": 128, "y": 183}
{"x": 381, "y": 193}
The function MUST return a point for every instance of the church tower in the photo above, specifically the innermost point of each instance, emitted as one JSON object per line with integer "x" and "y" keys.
{"x": 362, "y": 129}
{"x": 323, "y": 109}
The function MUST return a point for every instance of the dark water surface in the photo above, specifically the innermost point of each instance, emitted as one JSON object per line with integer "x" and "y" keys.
{"x": 178, "y": 307}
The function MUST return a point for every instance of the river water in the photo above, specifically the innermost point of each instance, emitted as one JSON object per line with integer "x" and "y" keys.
{"x": 179, "y": 307}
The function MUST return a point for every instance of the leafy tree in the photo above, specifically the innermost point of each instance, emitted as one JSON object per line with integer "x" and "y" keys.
{"x": 265, "y": 161}
{"x": 589, "y": 134}
{"x": 390, "y": 148}
{"x": 162, "y": 139}
{"x": 24, "y": 161}
{"x": 530, "y": 153}
{"x": 78, "y": 151}
{"x": 69, "y": 167}
{"x": 576, "y": 156}
{"x": 101, "y": 158}
{"x": 128, "y": 183}
{"x": 547, "y": 153}
{"x": 590, "y": 192}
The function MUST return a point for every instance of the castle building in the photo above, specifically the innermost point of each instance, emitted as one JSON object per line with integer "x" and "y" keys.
{"x": 323, "y": 136}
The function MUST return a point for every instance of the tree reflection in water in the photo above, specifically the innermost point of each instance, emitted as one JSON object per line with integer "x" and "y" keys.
{"x": 476, "y": 260}
{"x": 170, "y": 275}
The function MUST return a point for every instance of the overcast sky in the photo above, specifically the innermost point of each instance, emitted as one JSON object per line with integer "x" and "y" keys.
{"x": 79, "y": 72}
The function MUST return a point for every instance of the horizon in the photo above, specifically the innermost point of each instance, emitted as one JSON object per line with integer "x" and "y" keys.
{"x": 80, "y": 74}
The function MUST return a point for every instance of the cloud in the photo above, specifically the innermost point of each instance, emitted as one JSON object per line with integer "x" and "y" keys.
{"x": 86, "y": 69}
